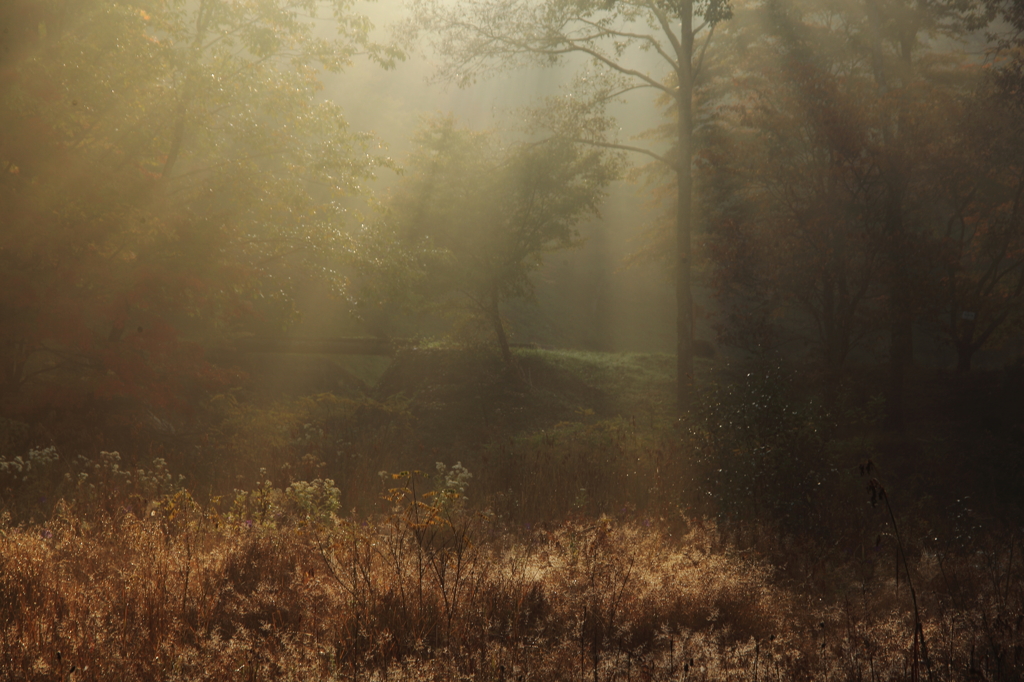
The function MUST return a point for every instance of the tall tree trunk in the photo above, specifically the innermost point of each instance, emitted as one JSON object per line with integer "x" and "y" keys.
{"x": 499, "y": 330}
{"x": 901, "y": 330}
{"x": 176, "y": 138}
{"x": 964, "y": 341}
{"x": 901, "y": 339}
{"x": 964, "y": 355}
{"x": 830, "y": 339}
{"x": 684, "y": 217}
{"x": 14, "y": 367}
{"x": 188, "y": 89}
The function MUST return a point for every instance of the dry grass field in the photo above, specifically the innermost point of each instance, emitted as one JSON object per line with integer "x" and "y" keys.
{"x": 758, "y": 541}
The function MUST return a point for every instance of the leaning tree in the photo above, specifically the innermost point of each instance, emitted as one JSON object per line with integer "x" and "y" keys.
{"x": 480, "y": 215}
{"x": 618, "y": 38}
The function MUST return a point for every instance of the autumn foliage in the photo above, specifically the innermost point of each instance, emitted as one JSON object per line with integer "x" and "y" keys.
{"x": 163, "y": 174}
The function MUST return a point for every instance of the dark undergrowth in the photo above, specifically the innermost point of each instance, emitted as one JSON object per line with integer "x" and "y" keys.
{"x": 765, "y": 536}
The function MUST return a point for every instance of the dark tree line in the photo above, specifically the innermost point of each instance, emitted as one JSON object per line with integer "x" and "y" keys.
{"x": 864, "y": 182}
{"x": 857, "y": 162}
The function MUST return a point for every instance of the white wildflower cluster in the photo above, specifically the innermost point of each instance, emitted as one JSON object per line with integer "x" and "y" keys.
{"x": 37, "y": 461}
{"x": 108, "y": 471}
{"x": 450, "y": 484}
{"x": 316, "y": 500}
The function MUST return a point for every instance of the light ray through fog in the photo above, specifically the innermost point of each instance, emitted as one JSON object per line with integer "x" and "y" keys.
{"x": 612, "y": 308}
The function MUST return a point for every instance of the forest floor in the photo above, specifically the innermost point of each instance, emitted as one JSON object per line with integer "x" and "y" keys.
{"x": 472, "y": 396}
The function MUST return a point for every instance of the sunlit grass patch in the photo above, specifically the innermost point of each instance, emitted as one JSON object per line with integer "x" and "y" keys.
{"x": 185, "y": 592}
{"x": 637, "y": 384}
{"x": 607, "y": 370}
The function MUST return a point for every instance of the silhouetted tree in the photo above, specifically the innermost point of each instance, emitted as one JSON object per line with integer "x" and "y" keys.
{"x": 482, "y": 215}
{"x": 836, "y": 132}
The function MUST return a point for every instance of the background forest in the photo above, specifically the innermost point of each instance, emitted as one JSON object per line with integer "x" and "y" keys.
{"x": 511, "y": 339}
